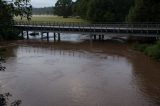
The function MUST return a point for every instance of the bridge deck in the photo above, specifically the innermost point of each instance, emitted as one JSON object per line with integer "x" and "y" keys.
{"x": 132, "y": 29}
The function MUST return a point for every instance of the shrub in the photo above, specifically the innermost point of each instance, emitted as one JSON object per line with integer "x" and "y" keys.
{"x": 140, "y": 47}
{"x": 153, "y": 51}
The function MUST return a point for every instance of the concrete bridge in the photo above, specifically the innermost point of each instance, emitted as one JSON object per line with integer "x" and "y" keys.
{"x": 119, "y": 29}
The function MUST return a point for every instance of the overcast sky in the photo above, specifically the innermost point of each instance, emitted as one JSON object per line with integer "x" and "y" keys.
{"x": 43, "y": 3}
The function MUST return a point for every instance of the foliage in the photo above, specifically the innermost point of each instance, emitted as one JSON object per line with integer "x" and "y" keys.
{"x": 145, "y": 11}
{"x": 8, "y": 10}
{"x": 152, "y": 50}
{"x": 103, "y": 10}
{"x": 2, "y": 68}
{"x": 63, "y": 8}
{"x": 80, "y": 8}
{"x": 4, "y": 100}
{"x": 118, "y": 10}
{"x": 100, "y": 10}
{"x": 22, "y": 8}
{"x": 140, "y": 47}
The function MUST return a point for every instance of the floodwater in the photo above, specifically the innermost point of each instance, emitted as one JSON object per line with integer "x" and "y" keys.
{"x": 80, "y": 74}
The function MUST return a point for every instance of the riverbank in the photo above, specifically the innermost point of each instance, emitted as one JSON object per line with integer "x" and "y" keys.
{"x": 5, "y": 44}
{"x": 152, "y": 50}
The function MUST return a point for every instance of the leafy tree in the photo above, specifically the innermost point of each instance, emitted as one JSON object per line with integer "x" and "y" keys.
{"x": 103, "y": 10}
{"x": 145, "y": 11}
{"x": 80, "y": 8}
{"x": 8, "y": 10}
{"x": 100, "y": 10}
{"x": 63, "y": 8}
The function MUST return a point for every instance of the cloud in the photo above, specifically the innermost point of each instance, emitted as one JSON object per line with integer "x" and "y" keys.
{"x": 43, "y": 3}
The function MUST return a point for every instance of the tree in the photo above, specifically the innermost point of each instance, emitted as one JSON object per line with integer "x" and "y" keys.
{"x": 81, "y": 7}
{"x": 145, "y": 11}
{"x": 8, "y": 10}
{"x": 63, "y": 8}
{"x": 100, "y": 10}
{"x": 103, "y": 10}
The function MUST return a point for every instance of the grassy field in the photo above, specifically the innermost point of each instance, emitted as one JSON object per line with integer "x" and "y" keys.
{"x": 52, "y": 19}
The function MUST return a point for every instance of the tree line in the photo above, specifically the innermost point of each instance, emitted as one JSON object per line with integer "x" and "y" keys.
{"x": 43, "y": 11}
{"x": 111, "y": 10}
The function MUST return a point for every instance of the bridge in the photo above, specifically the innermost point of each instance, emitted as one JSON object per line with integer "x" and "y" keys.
{"x": 125, "y": 29}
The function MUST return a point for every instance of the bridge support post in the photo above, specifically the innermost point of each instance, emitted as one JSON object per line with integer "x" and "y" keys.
{"x": 27, "y": 35}
{"x": 41, "y": 35}
{"x": 100, "y": 37}
{"x": 91, "y": 40}
{"x": 47, "y": 36}
{"x": 91, "y": 36}
{"x": 95, "y": 37}
{"x": 54, "y": 36}
{"x": 22, "y": 34}
{"x": 59, "y": 37}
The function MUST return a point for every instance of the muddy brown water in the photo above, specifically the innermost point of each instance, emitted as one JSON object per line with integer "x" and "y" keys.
{"x": 80, "y": 74}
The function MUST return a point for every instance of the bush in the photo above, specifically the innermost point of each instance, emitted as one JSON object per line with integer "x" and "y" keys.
{"x": 140, "y": 47}
{"x": 9, "y": 34}
{"x": 153, "y": 51}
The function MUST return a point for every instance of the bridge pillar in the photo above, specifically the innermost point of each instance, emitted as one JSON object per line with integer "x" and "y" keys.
{"x": 100, "y": 37}
{"x": 95, "y": 37}
{"x": 54, "y": 36}
{"x": 59, "y": 37}
{"x": 47, "y": 36}
{"x": 22, "y": 34}
{"x": 27, "y": 35}
{"x": 91, "y": 36}
{"x": 91, "y": 40}
{"x": 41, "y": 35}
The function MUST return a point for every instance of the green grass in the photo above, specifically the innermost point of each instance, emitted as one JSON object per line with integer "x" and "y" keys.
{"x": 52, "y": 19}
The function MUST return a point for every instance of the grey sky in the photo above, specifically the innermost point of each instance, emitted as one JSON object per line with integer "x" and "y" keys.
{"x": 43, "y": 3}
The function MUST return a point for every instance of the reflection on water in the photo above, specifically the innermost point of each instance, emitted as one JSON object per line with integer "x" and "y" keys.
{"x": 64, "y": 37}
{"x": 77, "y": 74}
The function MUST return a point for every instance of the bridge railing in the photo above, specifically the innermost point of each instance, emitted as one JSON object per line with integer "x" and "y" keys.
{"x": 106, "y": 25}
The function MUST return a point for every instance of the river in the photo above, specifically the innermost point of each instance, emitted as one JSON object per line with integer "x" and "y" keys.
{"x": 80, "y": 74}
